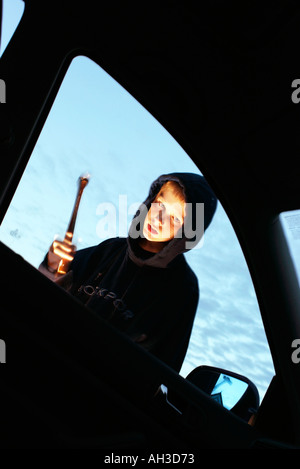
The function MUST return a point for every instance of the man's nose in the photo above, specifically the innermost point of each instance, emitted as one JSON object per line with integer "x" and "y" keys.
{"x": 161, "y": 217}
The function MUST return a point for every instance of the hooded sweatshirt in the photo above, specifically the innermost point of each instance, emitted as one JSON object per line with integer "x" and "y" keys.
{"x": 151, "y": 297}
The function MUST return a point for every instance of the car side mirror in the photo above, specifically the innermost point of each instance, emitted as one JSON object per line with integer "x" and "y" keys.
{"x": 233, "y": 391}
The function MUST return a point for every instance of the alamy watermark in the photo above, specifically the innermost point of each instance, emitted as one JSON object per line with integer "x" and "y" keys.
{"x": 118, "y": 221}
{"x": 296, "y": 353}
{"x": 2, "y": 91}
{"x": 2, "y": 351}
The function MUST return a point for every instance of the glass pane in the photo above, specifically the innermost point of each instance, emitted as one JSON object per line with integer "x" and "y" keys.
{"x": 228, "y": 390}
{"x": 291, "y": 226}
{"x": 96, "y": 127}
{"x": 12, "y": 11}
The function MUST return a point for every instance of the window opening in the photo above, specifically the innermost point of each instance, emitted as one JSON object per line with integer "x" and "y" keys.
{"x": 95, "y": 126}
{"x": 12, "y": 12}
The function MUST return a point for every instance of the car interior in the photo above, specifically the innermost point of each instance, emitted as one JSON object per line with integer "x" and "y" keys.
{"x": 218, "y": 77}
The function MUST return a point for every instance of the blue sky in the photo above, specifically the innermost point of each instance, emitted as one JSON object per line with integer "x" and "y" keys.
{"x": 95, "y": 126}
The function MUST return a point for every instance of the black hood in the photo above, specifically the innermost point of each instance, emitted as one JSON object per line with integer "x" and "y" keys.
{"x": 197, "y": 192}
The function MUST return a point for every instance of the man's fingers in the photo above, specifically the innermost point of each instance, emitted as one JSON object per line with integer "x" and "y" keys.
{"x": 60, "y": 250}
{"x": 63, "y": 251}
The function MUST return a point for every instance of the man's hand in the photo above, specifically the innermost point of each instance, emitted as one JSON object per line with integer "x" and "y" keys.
{"x": 60, "y": 255}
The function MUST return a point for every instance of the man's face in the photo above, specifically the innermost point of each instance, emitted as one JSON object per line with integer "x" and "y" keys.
{"x": 165, "y": 217}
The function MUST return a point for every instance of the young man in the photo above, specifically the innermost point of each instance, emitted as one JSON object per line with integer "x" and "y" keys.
{"x": 142, "y": 284}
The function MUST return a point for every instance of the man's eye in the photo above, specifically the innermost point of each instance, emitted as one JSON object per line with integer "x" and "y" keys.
{"x": 161, "y": 204}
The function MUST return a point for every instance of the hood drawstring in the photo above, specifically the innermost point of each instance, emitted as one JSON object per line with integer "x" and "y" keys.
{"x": 129, "y": 314}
